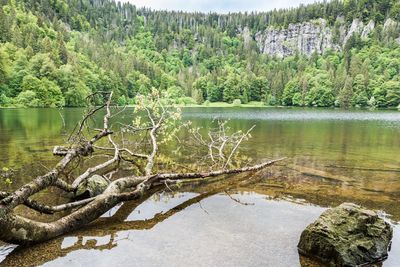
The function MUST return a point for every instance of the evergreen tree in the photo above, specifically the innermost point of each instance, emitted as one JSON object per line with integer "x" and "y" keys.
{"x": 345, "y": 97}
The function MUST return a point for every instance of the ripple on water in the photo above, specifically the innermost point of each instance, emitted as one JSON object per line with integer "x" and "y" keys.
{"x": 285, "y": 114}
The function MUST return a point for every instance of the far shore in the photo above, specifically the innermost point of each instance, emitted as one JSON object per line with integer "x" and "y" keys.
{"x": 252, "y": 104}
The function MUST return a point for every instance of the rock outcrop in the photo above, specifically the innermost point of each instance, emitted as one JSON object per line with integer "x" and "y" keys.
{"x": 389, "y": 24}
{"x": 347, "y": 235}
{"x": 310, "y": 37}
{"x": 305, "y": 38}
{"x": 247, "y": 38}
{"x": 368, "y": 29}
{"x": 91, "y": 187}
{"x": 358, "y": 27}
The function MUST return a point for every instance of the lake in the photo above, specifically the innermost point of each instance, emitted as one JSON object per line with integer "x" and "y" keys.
{"x": 333, "y": 156}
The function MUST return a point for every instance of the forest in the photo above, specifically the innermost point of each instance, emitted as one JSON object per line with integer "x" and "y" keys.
{"x": 55, "y": 53}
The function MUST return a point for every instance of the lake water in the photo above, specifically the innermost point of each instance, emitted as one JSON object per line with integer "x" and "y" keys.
{"x": 333, "y": 156}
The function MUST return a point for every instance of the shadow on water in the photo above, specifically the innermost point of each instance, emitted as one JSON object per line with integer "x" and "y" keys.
{"x": 333, "y": 157}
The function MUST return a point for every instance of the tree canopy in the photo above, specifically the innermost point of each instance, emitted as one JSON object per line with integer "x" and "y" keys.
{"x": 56, "y": 53}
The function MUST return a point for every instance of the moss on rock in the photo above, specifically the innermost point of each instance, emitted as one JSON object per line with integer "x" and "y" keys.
{"x": 91, "y": 187}
{"x": 348, "y": 235}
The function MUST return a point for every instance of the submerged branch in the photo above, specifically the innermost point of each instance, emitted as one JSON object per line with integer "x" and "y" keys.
{"x": 161, "y": 125}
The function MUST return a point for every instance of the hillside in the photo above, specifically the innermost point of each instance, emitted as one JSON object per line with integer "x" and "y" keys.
{"x": 337, "y": 53}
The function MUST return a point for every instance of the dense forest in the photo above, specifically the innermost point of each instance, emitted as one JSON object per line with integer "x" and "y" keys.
{"x": 55, "y": 53}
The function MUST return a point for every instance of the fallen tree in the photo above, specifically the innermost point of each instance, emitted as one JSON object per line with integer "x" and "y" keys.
{"x": 134, "y": 166}
{"x": 109, "y": 226}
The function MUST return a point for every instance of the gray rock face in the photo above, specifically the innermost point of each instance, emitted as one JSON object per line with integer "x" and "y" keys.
{"x": 368, "y": 29}
{"x": 356, "y": 27}
{"x": 347, "y": 235}
{"x": 91, "y": 187}
{"x": 309, "y": 37}
{"x": 305, "y": 38}
{"x": 389, "y": 24}
{"x": 246, "y": 37}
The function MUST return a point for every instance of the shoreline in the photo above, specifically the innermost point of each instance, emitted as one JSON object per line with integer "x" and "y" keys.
{"x": 252, "y": 104}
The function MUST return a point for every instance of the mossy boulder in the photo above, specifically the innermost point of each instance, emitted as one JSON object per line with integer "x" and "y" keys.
{"x": 91, "y": 187}
{"x": 348, "y": 235}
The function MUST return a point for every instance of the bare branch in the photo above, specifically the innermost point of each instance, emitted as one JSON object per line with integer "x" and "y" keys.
{"x": 137, "y": 146}
{"x": 237, "y": 145}
{"x": 102, "y": 166}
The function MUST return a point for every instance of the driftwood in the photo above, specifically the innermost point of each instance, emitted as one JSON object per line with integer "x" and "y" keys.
{"x": 137, "y": 145}
{"x": 109, "y": 227}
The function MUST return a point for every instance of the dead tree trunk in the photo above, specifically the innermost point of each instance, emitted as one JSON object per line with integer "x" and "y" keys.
{"x": 160, "y": 123}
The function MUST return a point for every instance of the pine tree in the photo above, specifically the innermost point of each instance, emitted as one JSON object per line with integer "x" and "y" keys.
{"x": 346, "y": 93}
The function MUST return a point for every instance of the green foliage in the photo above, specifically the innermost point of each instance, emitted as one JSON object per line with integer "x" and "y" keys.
{"x": 27, "y": 99}
{"x": 3, "y": 68}
{"x": 175, "y": 92}
{"x": 76, "y": 95}
{"x": 258, "y": 88}
{"x": 4, "y": 100}
{"x": 291, "y": 88}
{"x": 56, "y": 53}
{"x": 393, "y": 93}
{"x": 122, "y": 101}
{"x": 186, "y": 101}
{"x": 214, "y": 92}
{"x": 379, "y": 95}
{"x": 232, "y": 88}
{"x": 47, "y": 93}
{"x": 320, "y": 93}
{"x": 270, "y": 100}
{"x": 346, "y": 94}
{"x": 320, "y": 97}
{"x": 297, "y": 100}
{"x": 360, "y": 97}
{"x": 198, "y": 97}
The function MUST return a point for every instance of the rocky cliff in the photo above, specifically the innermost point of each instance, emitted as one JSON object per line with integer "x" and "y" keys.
{"x": 304, "y": 38}
{"x": 309, "y": 37}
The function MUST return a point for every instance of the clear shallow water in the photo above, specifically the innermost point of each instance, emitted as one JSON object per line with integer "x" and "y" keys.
{"x": 220, "y": 233}
{"x": 333, "y": 156}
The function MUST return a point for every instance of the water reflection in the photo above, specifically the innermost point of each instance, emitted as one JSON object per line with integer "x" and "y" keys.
{"x": 219, "y": 231}
{"x": 295, "y": 114}
{"x": 333, "y": 157}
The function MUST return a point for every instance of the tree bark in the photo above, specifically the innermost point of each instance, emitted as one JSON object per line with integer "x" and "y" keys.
{"x": 19, "y": 230}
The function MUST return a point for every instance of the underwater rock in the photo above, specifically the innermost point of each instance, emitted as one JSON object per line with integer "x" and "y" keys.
{"x": 91, "y": 187}
{"x": 348, "y": 235}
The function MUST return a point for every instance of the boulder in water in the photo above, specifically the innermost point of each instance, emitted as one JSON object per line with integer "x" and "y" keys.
{"x": 348, "y": 235}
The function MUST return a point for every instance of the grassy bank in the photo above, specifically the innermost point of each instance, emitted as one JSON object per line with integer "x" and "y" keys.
{"x": 224, "y": 104}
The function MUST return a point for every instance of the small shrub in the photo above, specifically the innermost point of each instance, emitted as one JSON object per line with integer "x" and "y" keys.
{"x": 131, "y": 101}
{"x": 4, "y": 100}
{"x": 237, "y": 103}
{"x": 270, "y": 100}
{"x": 186, "y": 101}
{"x": 122, "y": 101}
{"x": 372, "y": 102}
{"x": 27, "y": 99}
{"x": 297, "y": 100}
